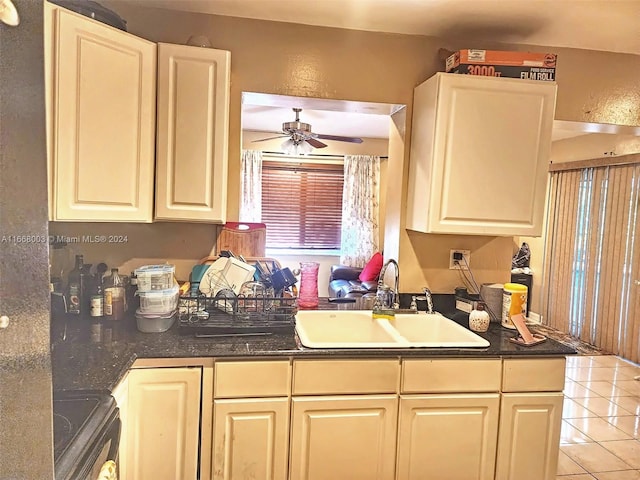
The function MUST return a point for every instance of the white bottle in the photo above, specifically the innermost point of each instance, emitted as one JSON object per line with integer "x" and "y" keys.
{"x": 479, "y": 319}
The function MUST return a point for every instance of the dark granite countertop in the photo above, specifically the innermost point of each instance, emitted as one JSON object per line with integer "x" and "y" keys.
{"x": 96, "y": 358}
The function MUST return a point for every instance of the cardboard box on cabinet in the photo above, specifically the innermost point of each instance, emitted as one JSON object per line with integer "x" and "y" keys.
{"x": 497, "y": 63}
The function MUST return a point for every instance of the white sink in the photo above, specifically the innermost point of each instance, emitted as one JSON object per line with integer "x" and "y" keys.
{"x": 358, "y": 329}
{"x": 344, "y": 329}
{"x": 435, "y": 330}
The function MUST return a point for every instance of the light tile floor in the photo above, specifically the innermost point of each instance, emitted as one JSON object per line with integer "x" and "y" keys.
{"x": 601, "y": 420}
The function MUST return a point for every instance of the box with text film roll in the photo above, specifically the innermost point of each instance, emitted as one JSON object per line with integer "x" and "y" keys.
{"x": 498, "y": 63}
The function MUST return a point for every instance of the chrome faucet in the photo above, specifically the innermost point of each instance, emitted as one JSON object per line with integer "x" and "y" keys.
{"x": 429, "y": 299}
{"x": 385, "y": 297}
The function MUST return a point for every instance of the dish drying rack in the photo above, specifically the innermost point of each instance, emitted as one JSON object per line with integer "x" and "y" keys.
{"x": 228, "y": 314}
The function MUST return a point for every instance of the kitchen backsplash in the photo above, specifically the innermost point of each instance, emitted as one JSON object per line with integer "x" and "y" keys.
{"x": 129, "y": 245}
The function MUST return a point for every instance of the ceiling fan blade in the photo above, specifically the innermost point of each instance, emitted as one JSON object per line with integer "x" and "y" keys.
{"x": 315, "y": 143}
{"x": 338, "y": 138}
{"x": 269, "y": 138}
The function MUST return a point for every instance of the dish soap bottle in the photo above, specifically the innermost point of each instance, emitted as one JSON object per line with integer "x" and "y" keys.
{"x": 479, "y": 319}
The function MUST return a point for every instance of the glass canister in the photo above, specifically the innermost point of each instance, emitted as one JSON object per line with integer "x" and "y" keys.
{"x": 308, "y": 295}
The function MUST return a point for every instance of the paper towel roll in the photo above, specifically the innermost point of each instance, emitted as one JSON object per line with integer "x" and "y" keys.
{"x": 491, "y": 295}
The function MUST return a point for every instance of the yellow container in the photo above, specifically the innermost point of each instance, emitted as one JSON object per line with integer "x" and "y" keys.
{"x": 514, "y": 301}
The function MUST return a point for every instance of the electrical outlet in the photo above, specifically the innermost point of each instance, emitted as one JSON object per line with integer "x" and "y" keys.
{"x": 465, "y": 259}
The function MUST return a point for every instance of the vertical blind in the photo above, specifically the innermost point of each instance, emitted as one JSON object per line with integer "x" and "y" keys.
{"x": 302, "y": 204}
{"x": 593, "y": 256}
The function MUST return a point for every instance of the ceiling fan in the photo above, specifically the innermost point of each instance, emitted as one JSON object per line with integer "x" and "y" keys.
{"x": 302, "y": 139}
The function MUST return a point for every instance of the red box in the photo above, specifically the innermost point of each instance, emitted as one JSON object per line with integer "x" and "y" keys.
{"x": 496, "y": 63}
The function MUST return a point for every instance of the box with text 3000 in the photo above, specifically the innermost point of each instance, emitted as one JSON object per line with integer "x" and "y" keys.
{"x": 496, "y": 63}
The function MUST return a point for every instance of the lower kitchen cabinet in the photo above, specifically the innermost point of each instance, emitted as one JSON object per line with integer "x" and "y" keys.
{"x": 334, "y": 419}
{"x": 448, "y": 437}
{"x": 529, "y": 436}
{"x": 121, "y": 395}
{"x": 250, "y": 438}
{"x": 343, "y": 437}
{"x": 163, "y": 424}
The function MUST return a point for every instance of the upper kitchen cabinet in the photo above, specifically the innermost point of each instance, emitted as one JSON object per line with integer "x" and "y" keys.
{"x": 479, "y": 155}
{"x": 192, "y": 133}
{"x": 101, "y": 116}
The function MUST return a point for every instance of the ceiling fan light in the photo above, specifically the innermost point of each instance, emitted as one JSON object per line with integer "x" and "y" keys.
{"x": 293, "y": 147}
{"x": 288, "y": 146}
{"x": 305, "y": 148}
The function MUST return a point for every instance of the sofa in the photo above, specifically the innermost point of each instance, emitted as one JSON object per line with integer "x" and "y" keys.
{"x": 344, "y": 282}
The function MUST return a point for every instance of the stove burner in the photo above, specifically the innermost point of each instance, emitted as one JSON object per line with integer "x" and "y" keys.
{"x": 70, "y": 413}
{"x": 62, "y": 429}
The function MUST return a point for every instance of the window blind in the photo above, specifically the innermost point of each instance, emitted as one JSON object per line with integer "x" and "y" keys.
{"x": 593, "y": 257}
{"x": 302, "y": 204}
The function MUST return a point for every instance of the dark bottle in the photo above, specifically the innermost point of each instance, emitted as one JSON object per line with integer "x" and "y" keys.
{"x": 97, "y": 301}
{"x": 76, "y": 288}
{"x": 132, "y": 288}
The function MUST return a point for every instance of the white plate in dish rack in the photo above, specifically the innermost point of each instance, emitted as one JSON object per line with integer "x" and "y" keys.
{"x": 226, "y": 273}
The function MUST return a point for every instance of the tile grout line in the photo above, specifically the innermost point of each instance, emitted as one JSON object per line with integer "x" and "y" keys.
{"x": 631, "y": 394}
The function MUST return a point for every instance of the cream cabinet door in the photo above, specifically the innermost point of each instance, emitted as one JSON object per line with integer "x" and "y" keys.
{"x": 163, "y": 423}
{"x": 102, "y": 121}
{"x": 480, "y": 149}
{"x": 448, "y": 437}
{"x": 250, "y": 438}
{"x": 343, "y": 437}
{"x": 121, "y": 395}
{"x": 192, "y": 136}
{"x": 529, "y": 438}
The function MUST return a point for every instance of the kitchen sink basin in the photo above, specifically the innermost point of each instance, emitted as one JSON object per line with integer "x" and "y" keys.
{"x": 358, "y": 329}
{"x": 348, "y": 329}
{"x": 435, "y": 330}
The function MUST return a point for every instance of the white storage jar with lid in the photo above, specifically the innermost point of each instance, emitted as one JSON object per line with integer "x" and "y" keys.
{"x": 159, "y": 301}
{"x": 152, "y": 278}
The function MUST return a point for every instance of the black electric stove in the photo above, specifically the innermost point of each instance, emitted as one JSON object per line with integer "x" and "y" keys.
{"x": 86, "y": 433}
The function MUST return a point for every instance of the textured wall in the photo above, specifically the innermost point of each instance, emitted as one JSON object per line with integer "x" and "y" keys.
{"x": 25, "y": 367}
{"x": 307, "y": 61}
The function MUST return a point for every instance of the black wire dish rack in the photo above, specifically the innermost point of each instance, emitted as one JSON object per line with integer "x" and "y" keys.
{"x": 228, "y": 314}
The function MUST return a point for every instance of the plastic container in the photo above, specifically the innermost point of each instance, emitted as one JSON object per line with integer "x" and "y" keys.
{"x": 151, "y": 278}
{"x": 160, "y": 302}
{"x": 152, "y": 323}
{"x": 514, "y": 301}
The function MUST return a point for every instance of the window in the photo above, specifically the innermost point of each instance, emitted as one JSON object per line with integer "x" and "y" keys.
{"x": 593, "y": 253}
{"x": 302, "y": 204}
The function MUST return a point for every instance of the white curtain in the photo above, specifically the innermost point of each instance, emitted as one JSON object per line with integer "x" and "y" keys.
{"x": 251, "y": 186}
{"x": 360, "y": 209}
